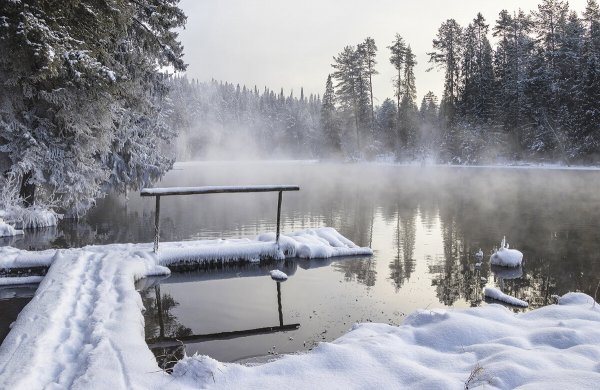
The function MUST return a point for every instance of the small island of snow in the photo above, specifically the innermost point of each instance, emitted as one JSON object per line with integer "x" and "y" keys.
{"x": 506, "y": 257}
{"x": 498, "y": 295}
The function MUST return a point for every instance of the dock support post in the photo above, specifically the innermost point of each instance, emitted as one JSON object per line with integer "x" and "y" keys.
{"x": 156, "y": 224}
{"x": 278, "y": 217}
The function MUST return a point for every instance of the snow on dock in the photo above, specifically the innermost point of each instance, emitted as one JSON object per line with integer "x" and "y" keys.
{"x": 84, "y": 329}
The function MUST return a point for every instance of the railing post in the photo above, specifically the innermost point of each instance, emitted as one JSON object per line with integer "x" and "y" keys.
{"x": 278, "y": 217}
{"x": 156, "y": 224}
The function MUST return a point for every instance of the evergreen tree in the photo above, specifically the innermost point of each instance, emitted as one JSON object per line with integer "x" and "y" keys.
{"x": 369, "y": 51}
{"x": 408, "y": 108}
{"x": 398, "y": 51}
{"x": 329, "y": 123}
{"x": 81, "y": 77}
{"x": 447, "y": 51}
{"x": 387, "y": 117}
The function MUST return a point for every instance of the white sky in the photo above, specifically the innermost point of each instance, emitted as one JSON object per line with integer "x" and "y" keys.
{"x": 290, "y": 44}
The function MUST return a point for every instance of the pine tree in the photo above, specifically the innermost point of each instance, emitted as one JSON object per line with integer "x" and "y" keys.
{"x": 81, "y": 77}
{"x": 589, "y": 123}
{"x": 447, "y": 51}
{"x": 448, "y": 47}
{"x": 408, "y": 108}
{"x": 398, "y": 55}
{"x": 329, "y": 124}
{"x": 369, "y": 51}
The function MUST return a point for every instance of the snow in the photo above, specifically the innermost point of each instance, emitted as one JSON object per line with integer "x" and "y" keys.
{"x": 84, "y": 329}
{"x": 311, "y": 243}
{"x": 30, "y": 217}
{"x": 215, "y": 189}
{"x": 278, "y": 275}
{"x": 506, "y": 257}
{"x": 16, "y": 280}
{"x": 555, "y": 347}
{"x": 498, "y": 295}
{"x": 7, "y": 230}
{"x": 316, "y": 244}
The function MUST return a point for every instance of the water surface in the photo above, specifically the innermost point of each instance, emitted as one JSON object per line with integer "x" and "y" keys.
{"x": 424, "y": 223}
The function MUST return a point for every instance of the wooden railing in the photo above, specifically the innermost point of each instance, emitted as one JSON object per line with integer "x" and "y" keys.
{"x": 170, "y": 191}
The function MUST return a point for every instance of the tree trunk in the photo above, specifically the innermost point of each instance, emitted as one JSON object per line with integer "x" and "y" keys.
{"x": 27, "y": 191}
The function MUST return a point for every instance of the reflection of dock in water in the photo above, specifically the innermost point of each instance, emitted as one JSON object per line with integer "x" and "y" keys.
{"x": 165, "y": 342}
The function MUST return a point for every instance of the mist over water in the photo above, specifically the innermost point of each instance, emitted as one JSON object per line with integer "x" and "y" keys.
{"x": 424, "y": 223}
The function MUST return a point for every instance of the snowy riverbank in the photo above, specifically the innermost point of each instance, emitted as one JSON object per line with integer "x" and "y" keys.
{"x": 84, "y": 329}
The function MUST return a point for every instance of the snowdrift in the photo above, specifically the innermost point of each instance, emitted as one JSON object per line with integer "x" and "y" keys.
{"x": 84, "y": 329}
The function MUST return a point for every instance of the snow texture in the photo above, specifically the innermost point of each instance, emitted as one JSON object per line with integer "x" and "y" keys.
{"x": 310, "y": 243}
{"x": 552, "y": 347}
{"x": 37, "y": 217}
{"x": 215, "y": 189}
{"x": 7, "y": 230}
{"x": 506, "y": 257}
{"x": 498, "y": 295}
{"x": 84, "y": 329}
{"x": 278, "y": 275}
{"x": 16, "y": 280}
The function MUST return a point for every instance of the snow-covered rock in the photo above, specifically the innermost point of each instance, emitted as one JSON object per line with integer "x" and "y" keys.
{"x": 278, "y": 275}
{"x": 7, "y": 230}
{"x": 498, "y": 295}
{"x": 506, "y": 257}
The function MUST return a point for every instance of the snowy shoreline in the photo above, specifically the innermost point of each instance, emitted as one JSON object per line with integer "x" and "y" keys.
{"x": 84, "y": 329}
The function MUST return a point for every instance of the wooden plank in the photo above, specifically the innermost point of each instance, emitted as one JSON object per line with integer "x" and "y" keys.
{"x": 166, "y": 191}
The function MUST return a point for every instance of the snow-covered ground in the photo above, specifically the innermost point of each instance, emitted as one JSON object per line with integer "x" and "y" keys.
{"x": 84, "y": 329}
{"x": 7, "y": 230}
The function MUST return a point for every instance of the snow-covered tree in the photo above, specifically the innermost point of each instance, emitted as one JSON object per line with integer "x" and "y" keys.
{"x": 81, "y": 76}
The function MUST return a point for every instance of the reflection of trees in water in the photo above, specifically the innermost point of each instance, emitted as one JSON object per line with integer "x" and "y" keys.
{"x": 453, "y": 277}
{"x": 160, "y": 322}
{"x": 552, "y": 217}
{"x": 362, "y": 270}
{"x": 403, "y": 264}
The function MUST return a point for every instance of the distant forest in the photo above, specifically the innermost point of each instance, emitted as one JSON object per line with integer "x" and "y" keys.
{"x": 534, "y": 96}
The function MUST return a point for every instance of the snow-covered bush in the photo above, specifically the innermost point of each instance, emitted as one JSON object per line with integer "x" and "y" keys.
{"x": 13, "y": 212}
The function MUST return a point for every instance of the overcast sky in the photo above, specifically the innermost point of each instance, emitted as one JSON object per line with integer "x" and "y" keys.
{"x": 290, "y": 44}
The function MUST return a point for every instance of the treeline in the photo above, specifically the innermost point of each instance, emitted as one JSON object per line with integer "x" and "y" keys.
{"x": 223, "y": 120}
{"x": 535, "y": 95}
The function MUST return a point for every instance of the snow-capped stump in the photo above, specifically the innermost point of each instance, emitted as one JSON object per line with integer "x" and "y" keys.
{"x": 498, "y": 295}
{"x": 278, "y": 275}
{"x": 479, "y": 254}
{"x": 506, "y": 257}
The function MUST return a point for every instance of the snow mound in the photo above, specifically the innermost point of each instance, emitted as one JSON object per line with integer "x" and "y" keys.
{"x": 278, "y": 275}
{"x": 555, "y": 346}
{"x": 316, "y": 243}
{"x": 506, "y": 257}
{"x": 7, "y": 230}
{"x": 37, "y": 217}
{"x": 498, "y": 295}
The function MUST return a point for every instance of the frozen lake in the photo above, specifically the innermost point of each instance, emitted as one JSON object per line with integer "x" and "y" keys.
{"x": 424, "y": 224}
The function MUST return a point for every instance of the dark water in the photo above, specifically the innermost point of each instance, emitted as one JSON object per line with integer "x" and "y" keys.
{"x": 424, "y": 224}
